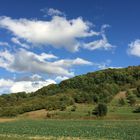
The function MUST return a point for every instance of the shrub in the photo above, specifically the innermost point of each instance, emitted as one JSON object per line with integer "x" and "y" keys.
{"x": 9, "y": 112}
{"x": 62, "y": 107}
{"x": 121, "y": 101}
{"x": 131, "y": 99}
{"x": 73, "y": 108}
{"x": 137, "y": 109}
{"x": 95, "y": 98}
{"x": 89, "y": 113}
{"x": 100, "y": 110}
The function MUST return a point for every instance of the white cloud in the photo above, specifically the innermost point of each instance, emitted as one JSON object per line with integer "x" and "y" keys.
{"x": 58, "y": 32}
{"x": 70, "y": 63}
{"x": 52, "y": 12}
{"x": 112, "y": 67}
{"x": 17, "y": 41}
{"x": 103, "y": 65}
{"x": 11, "y": 86}
{"x": 30, "y": 86}
{"x": 5, "y": 83}
{"x": 101, "y": 43}
{"x": 4, "y": 44}
{"x": 61, "y": 78}
{"x": 134, "y": 48}
{"x": 34, "y": 77}
{"x": 26, "y": 61}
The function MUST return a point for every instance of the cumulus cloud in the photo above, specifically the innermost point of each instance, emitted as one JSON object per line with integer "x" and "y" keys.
{"x": 59, "y": 32}
{"x": 102, "y": 43}
{"x": 99, "y": 44}
{"x": 134, "y": 48}
{"x": 5, "y": 83}
{"x": 26, "y": 61}
{"x": 30, "y": 85}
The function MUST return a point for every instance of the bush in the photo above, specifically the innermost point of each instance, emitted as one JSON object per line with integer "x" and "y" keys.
{"x": 9, "y": 112}
{"x": 62, "y": 107}
{"x": 73, "y": 108}
{"x": 131, "y": 99}
{"x": 137, "y": 109}
{"x": 121, "y": 101}
{"x": 95, "y": 98}
{"x": 89, "y": 113}
{"x": 100, "y": 110}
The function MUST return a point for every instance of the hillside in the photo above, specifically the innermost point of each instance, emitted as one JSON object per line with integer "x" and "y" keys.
{"x": 91, "y": 88}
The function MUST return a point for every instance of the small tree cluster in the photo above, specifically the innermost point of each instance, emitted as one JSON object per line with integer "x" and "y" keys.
{"x": 131, "y": 98}
{"x": 73, "y": 108}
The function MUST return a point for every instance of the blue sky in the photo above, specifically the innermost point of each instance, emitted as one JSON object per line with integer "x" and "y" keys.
{"x": 46, "y": 41}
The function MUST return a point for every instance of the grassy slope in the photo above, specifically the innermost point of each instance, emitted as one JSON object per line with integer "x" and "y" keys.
{"x": 115, "y": 112}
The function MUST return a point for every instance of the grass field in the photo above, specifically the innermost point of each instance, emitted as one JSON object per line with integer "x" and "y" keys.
{"x": 68, "y": 129}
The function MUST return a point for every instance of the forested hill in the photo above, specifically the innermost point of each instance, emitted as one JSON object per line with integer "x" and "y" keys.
{"x": 100, "y": 86}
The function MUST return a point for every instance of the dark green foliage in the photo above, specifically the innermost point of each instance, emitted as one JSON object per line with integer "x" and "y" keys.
{"x": 8, "y": 112}
{"x": 62, "y": 107}
{"x": 89, "y": 113}
{"x": 137, "y": 109}
{"x": 121, "y": 101}
{"x": 73, "y": 109}
{"x": 95, "y": 98}
{"x": 131, "y": 98}
{"x": 100, "y": 110}
{"x": 138, "y": 91}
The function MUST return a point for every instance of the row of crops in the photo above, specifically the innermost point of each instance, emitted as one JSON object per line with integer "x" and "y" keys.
{"x": 121, "y": 130}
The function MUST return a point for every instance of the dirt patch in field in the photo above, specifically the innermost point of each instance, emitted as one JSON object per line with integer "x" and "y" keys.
{"x": 7, "y": 119}
{"x": 38, "y": 114}
{"x": 121, "y": 94}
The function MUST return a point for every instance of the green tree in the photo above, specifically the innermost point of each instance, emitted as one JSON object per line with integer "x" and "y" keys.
{"x": 100, "y": 110}
{"x": 138, "y": 91}
{"x": 131, "y": 99}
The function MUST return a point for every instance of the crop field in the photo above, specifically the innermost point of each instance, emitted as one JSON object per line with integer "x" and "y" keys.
{"x": 70, "y": 129}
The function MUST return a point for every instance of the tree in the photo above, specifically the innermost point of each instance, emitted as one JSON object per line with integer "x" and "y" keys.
{"x": 131, "y": 99}
{"x": 100, "y": 110}
{"x": 138, "y": 91}
{"x": 95, "y": 98}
